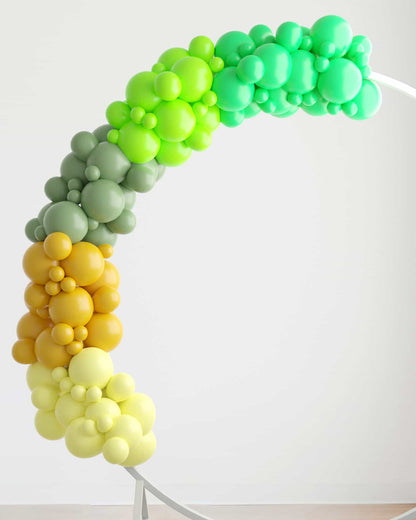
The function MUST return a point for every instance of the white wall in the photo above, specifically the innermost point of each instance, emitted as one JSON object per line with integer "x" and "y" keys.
{"x": 269, "y": 290}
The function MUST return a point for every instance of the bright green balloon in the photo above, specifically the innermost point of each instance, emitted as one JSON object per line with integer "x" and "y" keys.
{"x": 102, "y": 200}
{"x": 68, "y": 218}
{"x": 304, "y": 75}
{"x": 101, "y": 235}
{"x": 195, "y": 76}
{"x": 200, "y": 139}
{"x": 171, "y": 56}
{"x": 202, "y": 47}
{"x": 168, "y": 86}
{"x": 124, "y": 223}
{"x": 139, "y": 144}
{"x": 118, "y": 114}
{"x": 175, "y": 120}
{"x": 140, "y": 91}
{"x": 232, "y": 93}
{"x": 341, "y": 81}
{"x": 211, "y": 119}
{"x": 277, "y": 63}
{"x": 368, "y": 100}
{"x": 56, "y": 189}
{"x": 332, "y": 29}
{"x": 173, "y": 154}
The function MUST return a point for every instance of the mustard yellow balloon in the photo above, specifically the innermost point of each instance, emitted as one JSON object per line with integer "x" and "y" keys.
{"x": 80, "y": 441}
{"x": 110, "y": 276}
{"x": 57, "y": 245}
{"x": 74, "y": 308}
{"x": 23, "y": 351}
{"x": 142, "y": 452}
{"x": 49, "y": 353}
{"x": 30, "y": 326}
{"x": 67, "y": 409}
{"x": 36, "y": 264}
{"x": 115, "y": 450}
{"x": 38, "y": 374}
{"x": 85, "y": 264}
{"x": 62, "y": 333}
{"x": 48, "y": 426}
{"x": 36, "y": 296}
{"x": 104, "y": 331}
{"x": 142, "y": 408}
{"x": 106, "y": 299}
{"x": 91, "y": 367}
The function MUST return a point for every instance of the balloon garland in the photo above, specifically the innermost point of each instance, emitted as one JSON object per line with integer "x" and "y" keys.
{"x": 169, "y": 111}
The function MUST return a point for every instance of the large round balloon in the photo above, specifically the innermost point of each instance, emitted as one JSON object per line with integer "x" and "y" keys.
{"x": 169, "y": 112}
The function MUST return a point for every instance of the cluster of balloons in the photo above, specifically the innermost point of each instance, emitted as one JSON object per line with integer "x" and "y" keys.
{"x": 93, "y": 198}
{"x": 323, "y": 70}
{"x": 169, "y": 111}
{"x": 65, "y": 338}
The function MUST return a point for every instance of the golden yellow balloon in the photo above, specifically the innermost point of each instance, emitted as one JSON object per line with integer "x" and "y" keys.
{"x": 68, "y": 284}
{"x": 80, "y": 333}
{"x": 36, "y": 264}
{"x": 30, "y": 326}
{"x": 104, "y": 331}
{"x": 106, "y": 250}
{"x": 23, "y": 351}
{"x": 56, "y": 274}
{"x": 74, "y": 347}
{"x": 110, "y": 276}
{"x": 74, "y": 308}
{"x": 57, "y": 245}
{"x": 36, "y": 296}
{"x": 85, "y": 264}
{"x": 49, "y": 353}
{"x": 62, "y": 333}
{"x": 106, "y": 299}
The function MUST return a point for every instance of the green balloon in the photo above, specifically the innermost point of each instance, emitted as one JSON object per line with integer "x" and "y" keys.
{"x": 110, "y": 160}
{"x": 232, "y": 93}
{"x": 252, "y": 110}
{"x": 261, "y": 34}
{"x": 175, "y": 120}
{"x": 67, "y": 218}
{"x": 195, "y": 76}
{"x": 319, "y": 108}
{"x": 101, "y": 235}
{"x": 250, "y": 69}
{"x": 142, "y": 177}
{"x": 168, "y": 86}
{"x": 200, "y": 139}
{"x": 171, "y": 56}
{"x": 82, "y": 144}
{"x": 72, "y": 167}
{"x": 368, "y": 100}
{"x": 201, "y": 47}
{"x": 124, "y": 223}
{"x": 277, "y": 63}
{"x": 331, "y": 29}
{"x": 118, "y": 114}
{"x": 340, "y": 82}
{"x": 139, "y": 144}
{"x": 278, "y": 97}
{"x": 211, "y": 119}
{"x": 304, "y": 75}
{"x": 173, "y": 154}
{"x": 232, "y": 119}
{"x": 30, "y": 229}
{"x": 289, "y": 35}
{"x": 231, "y": 42}
{"x": 140, "y": 91}
{"x": 102, "y": 200}
{"x": 56, "y": 189}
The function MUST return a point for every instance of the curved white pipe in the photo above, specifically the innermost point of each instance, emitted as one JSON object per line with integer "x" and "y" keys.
{"x": 387, "y": 81}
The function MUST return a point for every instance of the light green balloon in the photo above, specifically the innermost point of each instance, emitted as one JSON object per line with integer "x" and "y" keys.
{"x": 66, "y": 217}
{"x": 175, "y": 120}
{"x": 140, "y": 91}
{"x": 171, "y": 56}
{"x": 333, "y": 29}
{"x": 118, "y": 114}
{"x": 195, "y": 76}
{"x": 139, "y": 144}
{"x": 173, "y": 154}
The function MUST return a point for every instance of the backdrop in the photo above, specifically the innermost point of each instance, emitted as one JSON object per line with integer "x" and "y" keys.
{"x": 269, "y": 290}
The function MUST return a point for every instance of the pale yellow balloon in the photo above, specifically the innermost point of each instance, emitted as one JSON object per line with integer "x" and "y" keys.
{"x": 91, "y": 367}
{"x": 115, "y": 450}
{"x": 67, "y": 410}
{"x": 120, "y": 387}
{"x": 128, "y": 428}
{"x": 81, "y": 444}
{"x": 142, "y": 452}
{"x": 142, "y": 408}
{"x": 38, "y": 374}
{"x": 48, "y": 426}
{"x": 105, "y": 407}
{"x": 44, "y": 397}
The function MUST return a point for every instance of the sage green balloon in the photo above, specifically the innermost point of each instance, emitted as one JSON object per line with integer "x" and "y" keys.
{"x": 101, "y": 132}
{"x": 340, "y": 82}
{"x": 102, "y": 200}
{"x": 129, "y": 196}
{"x": 101, "y": 235}
{"x": 124, "y": 223}
{"x": 72, "y": 167}
{"x": 30, "y": 229}
{"x": 42, "y": 212}
{"x": 66, "y": 217}
{"x": 82, "y": 144}
{"x": 56, "y": 189}
{"x": 110, "y": 160}
{"x": 142, "y": 177}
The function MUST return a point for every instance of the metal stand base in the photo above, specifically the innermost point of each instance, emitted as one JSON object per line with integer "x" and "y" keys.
{"x": 140, "y": 510}
{"x": 410, "y": 515}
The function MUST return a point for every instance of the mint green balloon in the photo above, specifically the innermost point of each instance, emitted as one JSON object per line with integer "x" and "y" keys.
{"x": 368, "y": 100}
{"x": 304, "y": 76}
{"x": 232, "y": 93}
{"x": 232, "y": 119}
{"x": 277, "y": 64}
{"x": 331, "y": 29}
{"x": 124, "y": 223}
{"x": 261, "y": 34}
{"x": 340, "y": 82}
{"x": 66, "y": 217}
{"x": 289, "y": 35}
{"x": 101, "y": 235}
{"x": 102, "y": 200}
{"x": 319, "y": 108}
{"x": 232, "y": 42}
{"x": 278, "y": 97}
